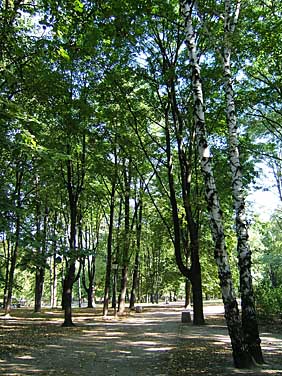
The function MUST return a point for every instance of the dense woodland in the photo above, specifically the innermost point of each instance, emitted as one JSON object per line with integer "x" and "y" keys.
{"x": 131, "y": 134}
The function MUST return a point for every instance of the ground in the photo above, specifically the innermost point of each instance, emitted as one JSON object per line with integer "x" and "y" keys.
{"x": 153, "y": 342}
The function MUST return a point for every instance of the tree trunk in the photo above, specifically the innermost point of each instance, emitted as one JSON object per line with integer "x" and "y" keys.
{"x": 54, "y": 282}
{"x": 198, "y": 317}
{"x": 67, "y": 295}
{"x": 109, "y": 248}
{"x": 187, "y": 293}
{"x": 134, "y": 281}
{"x": 126, "y": 238}
{"x": 41, "y": 254}
{"x": 14, "y": 256}
{"x": 15, "y": 248}
{"x": 137, "y": 260}
{"x": 123, "y": 287}
{"x": 249, "y": 320}
{"x": 7, "y": 253}
{"x": 74, "y": 185}
{"x": 242, "y": 358}
{"x": 196, "y": 278}
{"x": 39, "y": 282}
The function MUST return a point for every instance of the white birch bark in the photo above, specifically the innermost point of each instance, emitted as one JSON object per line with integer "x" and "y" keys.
{"x": 249, "y": 320}
{"x": 231, "y": 308}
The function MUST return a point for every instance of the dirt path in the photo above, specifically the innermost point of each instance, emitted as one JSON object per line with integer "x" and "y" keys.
{"x": 153, "y": 342}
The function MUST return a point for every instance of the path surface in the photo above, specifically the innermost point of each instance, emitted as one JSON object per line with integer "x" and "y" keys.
{"x": 143, "y": 344}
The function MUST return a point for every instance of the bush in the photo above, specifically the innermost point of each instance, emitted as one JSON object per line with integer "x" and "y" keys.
{"x": 268, "y": 300}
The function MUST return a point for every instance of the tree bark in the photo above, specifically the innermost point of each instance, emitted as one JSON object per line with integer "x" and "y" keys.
{"x": 137, "y": 261}
{"x": 41, "y": 254}
{"x": 187, "y": 293}
{"x": 126, "y": 238}
{"x": 194, "y": 273}
{"x": 241, "y": 357}
{"x": 7, "y": 253}
{"x": 190, "y": 233}
{"x": 249, "y": 319}
{"x": 39, "y": 282}
{"x": 109, "y": 243}
{"x": 67, "y": 295}
{"x": 15, "y": 247}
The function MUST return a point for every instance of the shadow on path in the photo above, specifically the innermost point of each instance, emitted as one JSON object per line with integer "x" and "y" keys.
{"x": 152, "y": 343}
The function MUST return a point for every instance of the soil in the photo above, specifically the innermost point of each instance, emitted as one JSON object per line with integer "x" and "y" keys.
{"x": 153, "y": 342}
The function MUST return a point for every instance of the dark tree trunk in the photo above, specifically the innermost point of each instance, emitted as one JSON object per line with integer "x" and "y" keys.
{"x": 41, "y": 254}
{"x": 74, "y": 184}
{"x": 7, "y": 252}
{"x": 109, "y": 246}
{"x": 90, "y": 296}
{"x": 137, "y": 260}
{"x": 14, "y": 255}
{"x": 195, "y": 276}
{"x": 67, "y": 295}
{"x": 39, "y": 282}
{"x": 126, "y": 239}
{"x": 14, "y": 251}
{"x": 134, "y": 282}
{"x": 187, "y": 293}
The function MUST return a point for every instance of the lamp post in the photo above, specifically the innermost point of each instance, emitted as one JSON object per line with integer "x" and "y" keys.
{"x": 115, "y": 269}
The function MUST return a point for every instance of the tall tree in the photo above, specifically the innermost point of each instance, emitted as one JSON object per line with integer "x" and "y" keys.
{"x": 240, "y": 355}
{"x": 249, "y": 319}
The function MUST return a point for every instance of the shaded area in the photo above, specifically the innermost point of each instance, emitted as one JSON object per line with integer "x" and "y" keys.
{"x": 153, "y": 342}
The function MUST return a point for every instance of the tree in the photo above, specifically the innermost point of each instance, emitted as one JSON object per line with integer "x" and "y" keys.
{"x": 240, "y": 355}
{"x": 249, "y": 320}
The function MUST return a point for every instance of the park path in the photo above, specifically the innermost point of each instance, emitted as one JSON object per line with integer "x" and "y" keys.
{"x": 141, "y": 344}
{"x": 138, "y": 344}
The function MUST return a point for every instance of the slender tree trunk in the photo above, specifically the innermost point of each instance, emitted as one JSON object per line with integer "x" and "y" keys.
{"x": 137, "y": 256}
{"x": 194, "y": 273}
{"x": 53, "y": 267}
{"x": 54, "y": 281}
{"x": 14, "y": 256}
{"x": 39, "y": 282}
{"x": 134, "y": 282}
{"x": 41, "y": 253}
{"x": 109, "y": 248}
{"x": 15, "y": 248}
{"x": 67, "y": 294}
{"x": 191, "y": 227}
{"x": 126, "y": 239}
{"x": 187, "y": 292}
{"x": 74, "y": 185}
{"x": 7, "y": 252}
{"x": 249, "y": 319}
{"x": 242, "y": 358}
{"x": 91, "y": 276}
{"x": 123, "y": 288}
{"x": 70, "y": 267}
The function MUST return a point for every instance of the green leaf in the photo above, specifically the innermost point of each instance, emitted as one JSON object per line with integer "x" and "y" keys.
{"x": 63, "y": 53}
{"x": 78, "y": 6}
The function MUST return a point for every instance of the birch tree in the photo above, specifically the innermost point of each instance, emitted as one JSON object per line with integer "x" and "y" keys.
{"x": 240, "y": 354}
{"x": 249, "y": 321}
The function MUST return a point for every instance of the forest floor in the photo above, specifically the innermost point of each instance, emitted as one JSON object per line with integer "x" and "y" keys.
{"x": 153, "y": 342}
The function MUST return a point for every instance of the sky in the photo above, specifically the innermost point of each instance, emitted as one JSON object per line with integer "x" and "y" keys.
{"x": 265, "y": 200}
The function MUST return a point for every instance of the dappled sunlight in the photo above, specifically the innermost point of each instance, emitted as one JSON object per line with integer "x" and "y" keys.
{"x": 96, "y": 346}
{"x": 160, "y": 348}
